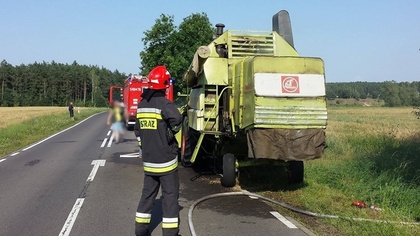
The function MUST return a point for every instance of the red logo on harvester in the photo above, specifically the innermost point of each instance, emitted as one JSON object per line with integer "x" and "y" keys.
{"x": 290, "y": 84}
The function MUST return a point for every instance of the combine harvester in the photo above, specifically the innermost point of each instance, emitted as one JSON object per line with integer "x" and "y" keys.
{"x": 131, "y": 96}
{"x": 253, "y": 97}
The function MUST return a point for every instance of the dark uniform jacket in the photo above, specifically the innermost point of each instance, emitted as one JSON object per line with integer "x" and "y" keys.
{"x": 158, "y": 120}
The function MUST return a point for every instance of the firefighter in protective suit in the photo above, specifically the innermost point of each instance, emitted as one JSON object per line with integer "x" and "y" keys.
{"x": 158, "y": 120}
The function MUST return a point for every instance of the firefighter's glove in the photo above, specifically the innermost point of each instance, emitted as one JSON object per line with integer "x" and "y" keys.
{"x": 170, "y": 136}
{"x": 176, "y": 129}
{"x": 183, "y": 109}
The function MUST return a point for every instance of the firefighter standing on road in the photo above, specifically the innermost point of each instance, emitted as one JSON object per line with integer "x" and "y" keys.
{"x": 158, "y": 120}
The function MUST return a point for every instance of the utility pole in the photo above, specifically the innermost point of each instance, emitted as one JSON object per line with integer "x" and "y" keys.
{"x": 2, "y": 89}
{"x": 93, "y": 88}
{"x": 84, "y": 92}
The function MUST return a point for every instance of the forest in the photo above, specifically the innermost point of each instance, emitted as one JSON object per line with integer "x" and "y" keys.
{"x": 393, "y": 93}
{"x": 56, "y": 84}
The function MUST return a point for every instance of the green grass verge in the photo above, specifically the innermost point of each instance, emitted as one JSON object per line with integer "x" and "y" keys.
{"x": 365, "y": 161}
{"x": 17, "y": 136}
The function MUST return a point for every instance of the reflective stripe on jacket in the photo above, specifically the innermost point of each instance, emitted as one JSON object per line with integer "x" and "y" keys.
{"x": 157, "y": 118}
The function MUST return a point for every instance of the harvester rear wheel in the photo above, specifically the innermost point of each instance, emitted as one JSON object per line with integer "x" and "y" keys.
{"x": 185, "y": 143}
{"x": 229, "y": 170}
{"x": 296, "y": 172}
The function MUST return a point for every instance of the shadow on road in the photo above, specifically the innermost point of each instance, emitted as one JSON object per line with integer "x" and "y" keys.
{"x": 266, "y": 178}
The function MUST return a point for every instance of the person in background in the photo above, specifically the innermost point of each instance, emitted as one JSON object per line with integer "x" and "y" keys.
{"x": 116, "y": 117}
{"x": 71, "y": 110}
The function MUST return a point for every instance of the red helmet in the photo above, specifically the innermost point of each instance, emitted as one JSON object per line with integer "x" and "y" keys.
{"x": 159, "y": 78}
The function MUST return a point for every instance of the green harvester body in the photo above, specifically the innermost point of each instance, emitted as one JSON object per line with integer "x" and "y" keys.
{"x": 257, "y": 97}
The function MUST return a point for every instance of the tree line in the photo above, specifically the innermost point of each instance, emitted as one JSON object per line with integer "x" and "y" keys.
{"x": 174, "y": 45}
{"x": 393, "y": 93}
{"x": 56, "y": 84}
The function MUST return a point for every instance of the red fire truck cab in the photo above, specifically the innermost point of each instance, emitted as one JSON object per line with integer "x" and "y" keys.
{"x": 134, "y": 86}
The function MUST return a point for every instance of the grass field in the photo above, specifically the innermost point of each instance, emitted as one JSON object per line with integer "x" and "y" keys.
{"x": 21, "y": 126}
{"x": 373, "y": 155}
{"x": 16, "y": 115}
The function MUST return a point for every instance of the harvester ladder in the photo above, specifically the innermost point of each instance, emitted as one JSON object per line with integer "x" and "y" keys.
{"x": 214, "y": 111}
{"x": 211, "y": 108}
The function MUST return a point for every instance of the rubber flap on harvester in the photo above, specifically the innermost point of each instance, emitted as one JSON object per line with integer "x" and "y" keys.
{"x": 286, "y": 144}
{"x": 283, "y": 26}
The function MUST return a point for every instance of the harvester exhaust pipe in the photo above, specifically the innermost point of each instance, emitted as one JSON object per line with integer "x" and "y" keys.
{"x": 219, "y": 29}
{"x": 282, "y": 25}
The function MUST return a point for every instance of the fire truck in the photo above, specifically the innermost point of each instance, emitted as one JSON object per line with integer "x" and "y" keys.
{"x": 130, "y": 95}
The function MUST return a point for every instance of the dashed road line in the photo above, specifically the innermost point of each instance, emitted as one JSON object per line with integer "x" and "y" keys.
{"x": 65, "y": 231}
{"x": 104, "y": 142}
{"x": 110, "y": 140}
{"x": 109, "y": 132}
{"x": 1, "y": 160}
{"x": 96, "y": 164}
{"x": 14, "y": 154}
{"x": 68, "y": 224}
{"x": 283, "y": 220}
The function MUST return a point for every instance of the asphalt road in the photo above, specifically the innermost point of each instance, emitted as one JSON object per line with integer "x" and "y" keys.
{"x": 78, "y": 183}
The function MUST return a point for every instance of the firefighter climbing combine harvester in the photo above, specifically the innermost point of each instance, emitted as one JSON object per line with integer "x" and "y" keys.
{"x": 253, "y": 97}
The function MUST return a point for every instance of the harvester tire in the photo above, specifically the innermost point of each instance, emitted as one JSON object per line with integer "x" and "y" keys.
{"x": 296, "y": 172}
{"x": 229, "y": 170}
{"x": 186, "y": 151}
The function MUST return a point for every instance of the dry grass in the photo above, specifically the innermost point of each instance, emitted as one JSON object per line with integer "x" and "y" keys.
{"x": 15, "y": 115}
{"x": 393, "y": 122}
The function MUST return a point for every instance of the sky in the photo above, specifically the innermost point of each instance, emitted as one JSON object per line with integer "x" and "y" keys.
{"x": 359, "y": 40}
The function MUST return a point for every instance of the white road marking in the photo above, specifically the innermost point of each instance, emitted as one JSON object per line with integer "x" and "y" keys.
{"x": 96, "y": 164}
{"x": 283, "y": 220}
{"x": 109, "y": 132}
{"x": 253, "y": 197}
{"x": 3, "y": 160}
{"x": 110, "y": 140}
{"x": 131, "y": 155}
{"x": 65, "y": 231}
{"x": 37, "y": 143}
{"x": 14, "y": 154}
{"x": 104, "y": 142}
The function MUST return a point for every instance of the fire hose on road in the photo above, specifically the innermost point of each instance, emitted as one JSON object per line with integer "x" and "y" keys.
{"x": 282, "y": 204}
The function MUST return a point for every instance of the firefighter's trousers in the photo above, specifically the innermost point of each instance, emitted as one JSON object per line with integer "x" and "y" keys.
{"x": 170, "y": 206}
